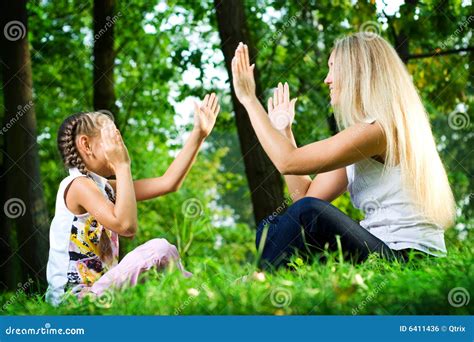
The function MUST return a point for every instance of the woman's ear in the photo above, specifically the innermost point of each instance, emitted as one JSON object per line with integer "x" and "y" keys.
{"x": 83, "y": 145}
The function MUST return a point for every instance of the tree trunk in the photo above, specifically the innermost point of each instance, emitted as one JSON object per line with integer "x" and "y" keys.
{"x": 24, "y": 215}
{"x": 264, "y": 180}
{"x": 104, "y": 55}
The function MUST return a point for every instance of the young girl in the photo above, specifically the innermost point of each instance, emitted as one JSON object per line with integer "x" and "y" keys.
{"x": 92, "y": 211}
{"x": 385, "y": 155}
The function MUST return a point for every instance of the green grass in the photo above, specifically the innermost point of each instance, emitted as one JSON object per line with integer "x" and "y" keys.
{"x": 225, "y": 282}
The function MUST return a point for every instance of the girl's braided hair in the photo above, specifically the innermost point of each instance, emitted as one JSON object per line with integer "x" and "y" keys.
{"x": 88, "y": 123}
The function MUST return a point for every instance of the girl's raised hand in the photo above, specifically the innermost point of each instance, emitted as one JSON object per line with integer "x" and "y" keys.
{"x": 205, "y": 114}
{"x": 242, "y": 75}
{"x": 280, "y": 109}
{"x": 114, "y": 148}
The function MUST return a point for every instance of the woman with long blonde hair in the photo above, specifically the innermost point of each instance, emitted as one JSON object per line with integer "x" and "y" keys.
{"x": 384, "y": 155}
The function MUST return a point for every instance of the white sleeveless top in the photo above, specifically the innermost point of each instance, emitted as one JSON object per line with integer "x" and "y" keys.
{"x": 390, "y": 215}
{"x": 75, "y": 260}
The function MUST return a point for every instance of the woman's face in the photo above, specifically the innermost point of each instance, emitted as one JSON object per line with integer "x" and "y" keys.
{"x": 329, "y": 80}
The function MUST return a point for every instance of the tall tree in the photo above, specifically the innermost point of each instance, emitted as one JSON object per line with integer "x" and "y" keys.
{"x": 264, "y": 180}
{"x": 24, "y": 213}
{"x": 104, "y": 55}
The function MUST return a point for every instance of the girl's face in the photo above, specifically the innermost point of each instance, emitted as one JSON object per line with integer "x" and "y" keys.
{"x": 329, "y": 80}
{"x": 93, "y": 154}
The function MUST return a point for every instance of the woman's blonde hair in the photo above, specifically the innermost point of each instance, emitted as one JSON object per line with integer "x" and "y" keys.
{"x": 372, "y": 82}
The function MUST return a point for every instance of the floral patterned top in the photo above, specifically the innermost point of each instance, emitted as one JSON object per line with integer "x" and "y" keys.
{"x": 81, "y": 249}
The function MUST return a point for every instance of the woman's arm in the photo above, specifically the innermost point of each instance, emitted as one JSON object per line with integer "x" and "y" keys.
{"x": 204, "y": 120}
{"x": 355, "y": 143}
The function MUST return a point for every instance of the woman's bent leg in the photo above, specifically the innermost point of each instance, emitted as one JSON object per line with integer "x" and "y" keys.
{"x": 308, "y": 225}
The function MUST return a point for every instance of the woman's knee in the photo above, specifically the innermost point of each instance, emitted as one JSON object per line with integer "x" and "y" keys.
{"x": 308, "y": 204}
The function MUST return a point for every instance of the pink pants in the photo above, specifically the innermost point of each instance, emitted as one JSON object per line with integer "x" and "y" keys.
{"x": 156, "y": 252}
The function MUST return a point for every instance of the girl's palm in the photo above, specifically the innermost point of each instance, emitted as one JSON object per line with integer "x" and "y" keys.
{"x": 206, "y": 114}
{"x": 114, "y": 148}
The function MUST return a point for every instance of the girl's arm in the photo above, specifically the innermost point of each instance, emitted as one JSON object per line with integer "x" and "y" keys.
{"x": 297, "y": 185}
{"x": 83, "y": 194}
{"x": 355, "y": 143}
{"x": 328, "y": 185}
{"x": 204, "y": 120}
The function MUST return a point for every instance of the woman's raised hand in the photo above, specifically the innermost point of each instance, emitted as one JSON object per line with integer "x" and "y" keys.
{"x": 205, "y": 115}
{"x": 280, "y": 109}
{"x": 115, "y": 150}
{"x": 242, "y": 75}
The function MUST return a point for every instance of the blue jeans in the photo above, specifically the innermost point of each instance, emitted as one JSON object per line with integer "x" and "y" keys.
{"x": 307, "y": 226}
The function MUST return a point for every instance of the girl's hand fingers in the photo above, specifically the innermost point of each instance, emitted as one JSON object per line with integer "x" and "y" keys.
{"x": 212, "y": 101}
{"x": 118, "y": 136}
{"x": 218, "y": 109}
{"x": 215, "y": 104}
{"x": 205, "y": 101}
{"x": 106, "y": 134}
